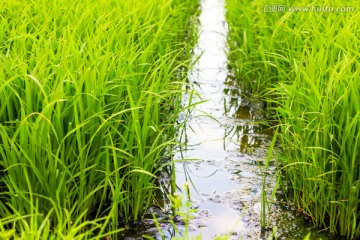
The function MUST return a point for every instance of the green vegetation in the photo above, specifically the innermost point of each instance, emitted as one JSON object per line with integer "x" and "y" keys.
{"x": 89, "y": 94}
{"x": 307, "y": 65}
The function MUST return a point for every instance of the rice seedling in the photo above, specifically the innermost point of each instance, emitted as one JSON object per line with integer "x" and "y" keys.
{"x": 306, "y": 64}
{"x": 89, "y": 97}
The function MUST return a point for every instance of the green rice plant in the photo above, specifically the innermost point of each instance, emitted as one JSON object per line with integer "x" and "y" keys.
{"x": 306, "y": 64}
{"x": 253, "y": 54}
{"x": 266, "y": 44}
{"x": 266, "y": 203}
{"x": 321, "y": 142}
{"x": 89, "y": 97}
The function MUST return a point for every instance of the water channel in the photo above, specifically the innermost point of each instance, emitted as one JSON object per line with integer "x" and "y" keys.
{"x": 224, "y": 141}
{"x": 224, "y": 149}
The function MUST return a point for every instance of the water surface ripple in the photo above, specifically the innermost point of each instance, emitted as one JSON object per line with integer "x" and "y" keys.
{"x": 225, "y": 144}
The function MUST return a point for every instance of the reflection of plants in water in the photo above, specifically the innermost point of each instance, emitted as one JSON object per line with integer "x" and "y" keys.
{"x": 232, "y": 106}
{"x": 243, "y": 109}
{"x": 249, "y": 136}
{"x": 187, "y": 173}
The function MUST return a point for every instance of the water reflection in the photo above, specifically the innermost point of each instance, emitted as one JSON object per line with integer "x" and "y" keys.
{"x": 221, "y": 179}
{"x": 248, "y": 136}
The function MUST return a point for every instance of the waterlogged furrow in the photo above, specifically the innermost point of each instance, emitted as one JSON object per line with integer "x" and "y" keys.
{"x": 304, "y": 58}
{"x": 88, "y": 93}
{"x": 218, "y": 170}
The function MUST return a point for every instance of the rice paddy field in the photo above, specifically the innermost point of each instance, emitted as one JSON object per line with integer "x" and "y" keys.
{"x": 303, "y": 59}
{"x": 89, "y": 98}
{"x": 91, "y": 94}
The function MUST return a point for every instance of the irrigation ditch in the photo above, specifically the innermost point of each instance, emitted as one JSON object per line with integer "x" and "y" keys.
{"x": 220, "y": 164}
